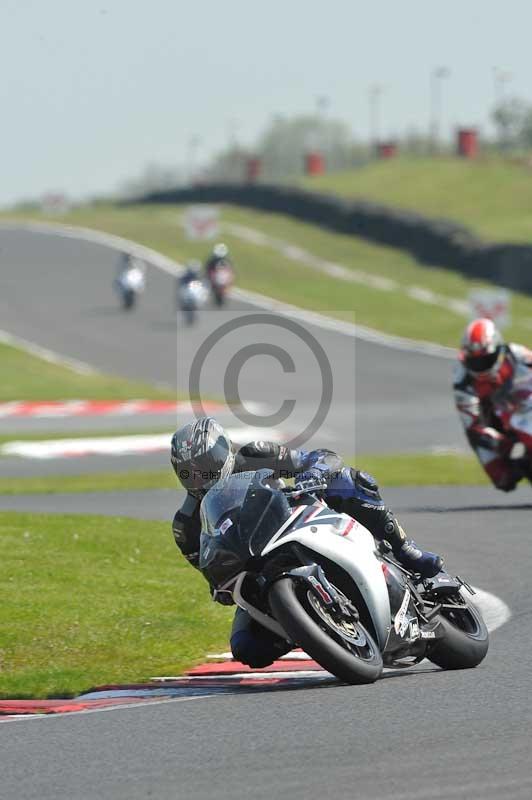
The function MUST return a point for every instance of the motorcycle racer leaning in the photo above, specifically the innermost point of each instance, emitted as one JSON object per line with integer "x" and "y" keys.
{"x": 201, "y": 454}
{"x": 492, "y": 389}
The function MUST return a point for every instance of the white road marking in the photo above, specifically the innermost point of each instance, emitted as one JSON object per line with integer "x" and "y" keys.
{"x": 107, "y": 408}
{"x": 121, "y": 445}
{"x": 47, "y": 355}
{"x": 352, "y": 275}
{"x": 494, "y": 611}
{"x": 121, "y": 707}
{"x": 346, "y": 328}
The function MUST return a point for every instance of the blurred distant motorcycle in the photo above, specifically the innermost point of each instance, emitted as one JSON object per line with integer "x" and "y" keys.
{"x": 130, "y": 282}
{"x": 221, "y": 278}
{"x": 220, "y": 273}
{"x": 191, "y": 293}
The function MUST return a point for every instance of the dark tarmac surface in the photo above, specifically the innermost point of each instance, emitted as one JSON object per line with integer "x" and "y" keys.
{"x": 160, "y": 503}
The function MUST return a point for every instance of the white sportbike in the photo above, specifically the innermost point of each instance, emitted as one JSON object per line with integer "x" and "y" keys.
{"x": 316, "y": 578}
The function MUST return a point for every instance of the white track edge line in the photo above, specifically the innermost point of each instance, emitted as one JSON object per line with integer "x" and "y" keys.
{"x": 45, "y": 354}
{"x": 166, "y": 264}
{"x": 120, "y": 707}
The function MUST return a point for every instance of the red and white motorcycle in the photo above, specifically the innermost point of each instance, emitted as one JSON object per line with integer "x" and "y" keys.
{"x": 221, "y": 278}
{"x": 512, "y": 421}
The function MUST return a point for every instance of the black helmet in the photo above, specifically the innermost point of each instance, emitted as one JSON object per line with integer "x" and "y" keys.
{"x": 201, "y": 455}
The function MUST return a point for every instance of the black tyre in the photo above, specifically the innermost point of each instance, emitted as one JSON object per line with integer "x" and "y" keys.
{"x": 465, "y": 639}
{"x": 190, "y": 315}
{"x": 128, "y": 300}
{"x": 219, "y": 298}
{"x": 346, "y": 650}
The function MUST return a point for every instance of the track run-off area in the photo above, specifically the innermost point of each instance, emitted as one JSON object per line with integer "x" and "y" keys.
{"x": 420, "y": 733}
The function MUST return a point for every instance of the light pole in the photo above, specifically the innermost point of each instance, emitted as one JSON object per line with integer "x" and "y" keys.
{"x": 322, "y": 139}
{"x": 375, "y": 94}
{"x": 322, "y": 105}
{"x": 193, "y": 146}
{"x": 233, "y": 126}
{"x": 501, "y": 78}
{"x": 437, "y": 76}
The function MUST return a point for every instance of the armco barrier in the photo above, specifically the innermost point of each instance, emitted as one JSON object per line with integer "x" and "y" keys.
{"x": 432, "y": 241}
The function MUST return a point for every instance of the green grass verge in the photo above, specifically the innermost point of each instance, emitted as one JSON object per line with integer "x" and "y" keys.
{"x": 97, "y": 482}
{"x": 417, "y": 469}
{"x": 266, "y": 271}
{"x": 491, "y": 196}
{"x": 420, "y": 469}
{"x": 51, "y": 435}
{"x": 27, "y": 377}
{"x": 88, "y": 601}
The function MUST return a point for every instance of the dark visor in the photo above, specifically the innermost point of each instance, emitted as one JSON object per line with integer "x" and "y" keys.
{"x": 481, "y": 363}
{"x": 203, "y": 469}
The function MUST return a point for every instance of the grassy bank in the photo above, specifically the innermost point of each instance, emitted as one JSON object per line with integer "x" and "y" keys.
{"x": 491, "y": 196}
{"x": 406, "y": 469}
{"x": 88, "y": 600}
{"x": 266, "y": 270}
{"x": 27, "y": 377}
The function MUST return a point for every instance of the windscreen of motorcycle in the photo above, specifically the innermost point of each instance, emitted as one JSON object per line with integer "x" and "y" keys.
{"x": 265, "y": 510}
{"x": 239, "y": 516}
{"x": 223, "y": 552}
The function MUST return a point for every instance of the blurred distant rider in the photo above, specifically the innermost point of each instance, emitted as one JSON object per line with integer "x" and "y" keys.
{"x": 189, "y": 274}
{"x": 492, "y": 391}
{"x": 130, "y": 272}
{"x": 202, "y": 453}
{"x": 218, "y": 256}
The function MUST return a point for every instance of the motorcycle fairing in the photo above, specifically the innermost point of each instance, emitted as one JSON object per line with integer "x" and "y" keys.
{"x": 352, "y": 547}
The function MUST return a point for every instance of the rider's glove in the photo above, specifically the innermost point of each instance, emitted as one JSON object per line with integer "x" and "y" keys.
{"x": 306, "y": 485}
{"x": 317, "y": 473}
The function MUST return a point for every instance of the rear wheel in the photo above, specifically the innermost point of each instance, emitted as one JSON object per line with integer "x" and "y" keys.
{"x": 128, "y": 299}
{"x": 465, "y": 639}
{"x": 190, "y": 315}
{"x": 218, "y": 298}
{"x": 339, "y": 643}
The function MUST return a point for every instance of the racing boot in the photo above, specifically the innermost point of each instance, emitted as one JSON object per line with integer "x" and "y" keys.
{"x": 412, "y": 558}
{"x": 406, "y": 551}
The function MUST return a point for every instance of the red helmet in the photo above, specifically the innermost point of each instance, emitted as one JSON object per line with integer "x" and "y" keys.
{"x": 482, "y": 347}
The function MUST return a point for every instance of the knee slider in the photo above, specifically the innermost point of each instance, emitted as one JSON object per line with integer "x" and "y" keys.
{"x": 391, "y": 531}
{"x": 249, "y": 650}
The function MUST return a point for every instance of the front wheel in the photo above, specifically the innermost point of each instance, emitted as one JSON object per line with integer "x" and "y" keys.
{"x": 340, "y": 645}
{"x": 465, "y": 638}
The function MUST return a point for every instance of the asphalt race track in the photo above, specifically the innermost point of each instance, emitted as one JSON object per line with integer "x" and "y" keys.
{"x": 415, "y": 735}
{"x": 51, "y": 285}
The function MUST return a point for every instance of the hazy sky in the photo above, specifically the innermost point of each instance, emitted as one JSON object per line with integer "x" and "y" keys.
{"x": 91, "y": 91}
